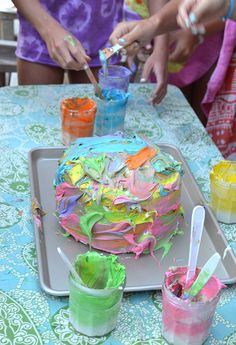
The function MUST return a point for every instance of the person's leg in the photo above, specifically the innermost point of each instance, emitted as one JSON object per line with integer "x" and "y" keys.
{"x": 194, "y": 96}
{"x": 80, "y": 77}
{"x": 195, "y": 93}
{"x": 198, "y": 93}
{"x": 30, "y": 73}
{"x": 187, "y": 91}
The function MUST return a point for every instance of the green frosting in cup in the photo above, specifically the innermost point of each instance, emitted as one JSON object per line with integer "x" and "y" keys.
{"x": 98, "y": 271}
{"x": 94, "y": 306}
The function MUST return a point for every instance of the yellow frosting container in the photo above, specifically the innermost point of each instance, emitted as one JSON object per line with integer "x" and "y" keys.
{"x": 223, "y": 191}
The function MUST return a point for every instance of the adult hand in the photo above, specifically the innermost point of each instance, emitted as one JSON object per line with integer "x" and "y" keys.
{"x": 184, "y": 44}
{"x": 128, "y": 33}
{"x": 65, "y": 49}
{"x": 201, "y": 11}
{"x": 157, "y": 63}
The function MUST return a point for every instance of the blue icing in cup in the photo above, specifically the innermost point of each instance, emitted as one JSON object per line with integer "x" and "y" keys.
{"x": 111, "y": 111}
{"x": 114, "y": 95}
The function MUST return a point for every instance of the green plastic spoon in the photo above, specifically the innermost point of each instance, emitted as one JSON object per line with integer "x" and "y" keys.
{"x": 204, "y": 275}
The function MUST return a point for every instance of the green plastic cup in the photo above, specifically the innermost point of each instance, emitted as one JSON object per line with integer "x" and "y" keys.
{"x": 94, "y": 311}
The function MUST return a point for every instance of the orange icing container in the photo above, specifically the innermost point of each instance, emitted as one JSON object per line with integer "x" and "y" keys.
{"x": 77, "y": 118}
{"x": 223, "y": 191}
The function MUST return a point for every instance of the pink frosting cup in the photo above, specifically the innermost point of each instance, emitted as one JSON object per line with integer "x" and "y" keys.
{"x": 187, "y": 322}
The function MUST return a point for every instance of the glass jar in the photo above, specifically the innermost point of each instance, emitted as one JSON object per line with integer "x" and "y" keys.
{"x": 77, "y": 118}
{"x": 223, "y": 191}
{"x": 185, "y": 322}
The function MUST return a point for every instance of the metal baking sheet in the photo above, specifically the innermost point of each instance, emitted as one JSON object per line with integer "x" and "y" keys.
{"x": 142, "y": 274}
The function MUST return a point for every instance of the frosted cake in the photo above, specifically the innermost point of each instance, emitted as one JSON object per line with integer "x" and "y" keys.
{"x": 119, "y": 194}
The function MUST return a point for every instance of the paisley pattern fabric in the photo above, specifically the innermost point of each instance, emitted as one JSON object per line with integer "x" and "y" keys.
{"x": 29, "y": 118}
{"x": 84, "y": 19}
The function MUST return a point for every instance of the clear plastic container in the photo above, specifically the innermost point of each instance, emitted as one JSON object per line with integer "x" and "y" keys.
{"x": 185, "y": 322}
{"x": 111, "y": 112}
{"x": 77, "y": 118}
{"x": 117, "y": 77}
{"x": 223, "y": 191}
{"x": 95, "y": 299}
{"x": 93, "y": 312}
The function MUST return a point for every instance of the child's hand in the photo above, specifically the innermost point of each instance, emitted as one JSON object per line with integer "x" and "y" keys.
{"x": 65, "y": 49}
{"x": 122, "y": 29}
{"x": 128, "y": 33}
{"x": 192, "y": 12}
{"x": 184, "y": 44}
{"x": 157, "y": 63}
{"x": 160, "y": 70}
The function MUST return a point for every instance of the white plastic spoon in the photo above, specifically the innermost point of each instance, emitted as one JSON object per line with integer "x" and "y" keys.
{"x": 96, "y": 292}
{"x": 197, "y": 224}
{"x": 69, "y": 265}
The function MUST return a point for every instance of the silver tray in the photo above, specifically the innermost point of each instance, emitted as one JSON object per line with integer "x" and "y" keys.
{"x": 142, "y": 274}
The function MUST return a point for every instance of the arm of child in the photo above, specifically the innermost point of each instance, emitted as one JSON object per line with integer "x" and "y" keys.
{"x": 63, "y": 47}
{"x": 202, "y": 11}
{"x": 185, "y": 42}
{"x": 145, "y": 30}
{"x": 157, "y": 61}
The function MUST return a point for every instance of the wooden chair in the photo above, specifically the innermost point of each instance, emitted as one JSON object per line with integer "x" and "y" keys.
{"x": 7, "y": 46}
{"x": 7, "y": 56}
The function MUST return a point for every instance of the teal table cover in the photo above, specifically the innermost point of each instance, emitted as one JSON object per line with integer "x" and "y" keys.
{"x": 29, "y": 118}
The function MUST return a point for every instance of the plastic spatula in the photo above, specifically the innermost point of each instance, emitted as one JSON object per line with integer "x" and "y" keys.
{"x": 197, "y": 224}
{"x": 204, "y": 275}
{"x": 69, "y": 265}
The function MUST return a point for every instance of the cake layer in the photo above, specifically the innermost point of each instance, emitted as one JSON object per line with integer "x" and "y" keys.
{"x": 119, "y": 194}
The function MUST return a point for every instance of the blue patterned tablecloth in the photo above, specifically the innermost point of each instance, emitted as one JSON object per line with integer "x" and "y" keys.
{"x": 30, "y": 117}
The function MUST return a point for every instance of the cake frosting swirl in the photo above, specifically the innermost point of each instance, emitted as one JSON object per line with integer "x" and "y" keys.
{"x": 119, "y": 194}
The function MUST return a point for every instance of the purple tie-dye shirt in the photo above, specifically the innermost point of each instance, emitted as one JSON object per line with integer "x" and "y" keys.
{"x": 91, "y": 21}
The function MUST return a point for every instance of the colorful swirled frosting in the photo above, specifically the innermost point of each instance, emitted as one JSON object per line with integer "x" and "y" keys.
{"x": 119, "y": 194}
